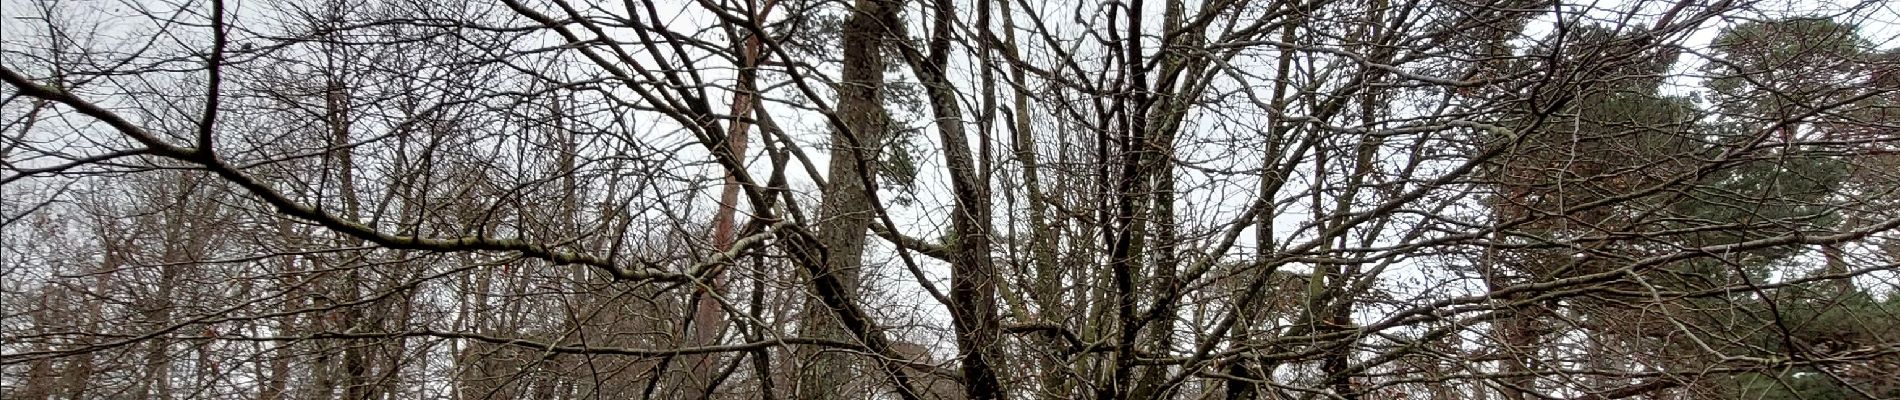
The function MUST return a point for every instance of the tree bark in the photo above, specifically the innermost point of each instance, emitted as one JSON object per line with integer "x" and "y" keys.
{"x": 846, "y": 212}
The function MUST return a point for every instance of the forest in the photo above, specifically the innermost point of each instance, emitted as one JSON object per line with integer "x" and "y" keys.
{"x": 949, "y": 199}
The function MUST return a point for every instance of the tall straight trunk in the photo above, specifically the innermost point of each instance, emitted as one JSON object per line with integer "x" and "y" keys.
{"x": 846, "y": 212}
{"x": 277, "y": 383}
{"x": 708, "y": 314}
{"x": 973, "y": 278}
{"x": 356, "y": 371}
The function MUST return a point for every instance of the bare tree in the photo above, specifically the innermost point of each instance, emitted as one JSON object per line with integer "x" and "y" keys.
{"x": 548, "y": 199}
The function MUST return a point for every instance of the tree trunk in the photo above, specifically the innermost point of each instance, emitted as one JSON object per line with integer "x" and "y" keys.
{"x": 847, "y": 211}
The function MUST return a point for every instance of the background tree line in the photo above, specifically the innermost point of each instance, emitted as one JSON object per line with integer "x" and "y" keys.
{"x": 800, "y": 199}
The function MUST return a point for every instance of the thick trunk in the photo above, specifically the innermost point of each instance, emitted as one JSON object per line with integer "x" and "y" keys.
{"x": 708, "y": 317}
{"x": 355, "y": 363}
{"x": 847, "y": 212}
